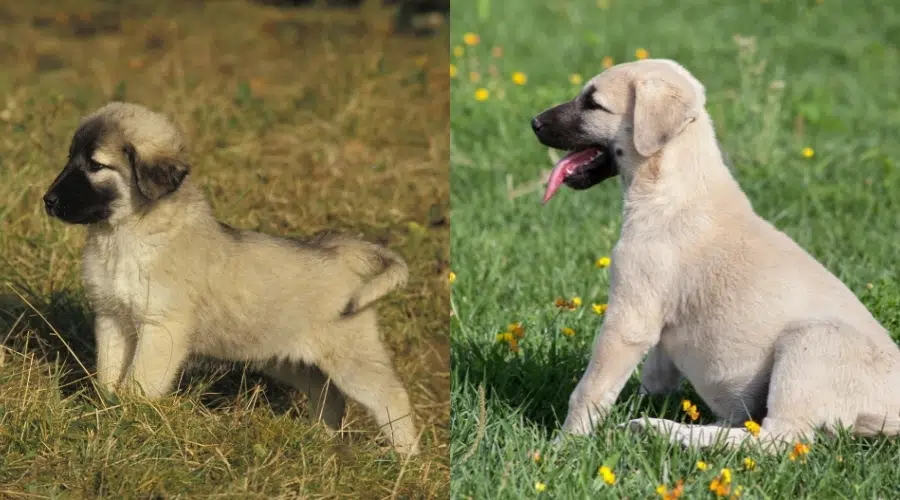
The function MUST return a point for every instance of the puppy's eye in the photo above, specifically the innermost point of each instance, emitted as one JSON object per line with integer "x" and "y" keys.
{"x": 591, "y": 105}
{"x": 93, "y": 166}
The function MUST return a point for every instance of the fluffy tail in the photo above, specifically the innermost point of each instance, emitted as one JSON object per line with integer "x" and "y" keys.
{"x": 382, "y": 270}
{"x": 869, "y": 424}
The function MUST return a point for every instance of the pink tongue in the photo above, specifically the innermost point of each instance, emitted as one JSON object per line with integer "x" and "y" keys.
{"x": 565, "y": 167}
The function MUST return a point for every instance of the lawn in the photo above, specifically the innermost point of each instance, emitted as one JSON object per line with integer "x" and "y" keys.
{"x": 803, "y": 95}
{"x": 297, "y": 121}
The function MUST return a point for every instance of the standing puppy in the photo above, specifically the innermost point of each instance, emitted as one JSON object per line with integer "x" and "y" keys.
{"x": 166, "y": 280}
{"x": 714, "y": 292}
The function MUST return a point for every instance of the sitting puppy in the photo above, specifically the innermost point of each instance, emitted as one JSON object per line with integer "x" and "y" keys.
{"x": 714, "y": 292}
{"x": 166, "y": 280}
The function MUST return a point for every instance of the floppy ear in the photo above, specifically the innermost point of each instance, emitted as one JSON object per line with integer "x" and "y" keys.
{"x": 157, "y": 178}
{"x": 661, "y": 111}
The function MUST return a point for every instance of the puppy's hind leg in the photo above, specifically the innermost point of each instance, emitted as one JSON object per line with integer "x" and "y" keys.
{"x": 326, "y": 402}
{"x": 824, "y": 375}
{"x": 362, "y": 369}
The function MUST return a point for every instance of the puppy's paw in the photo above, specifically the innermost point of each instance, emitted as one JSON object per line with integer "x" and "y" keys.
{"x": 659, "y": 425}
{"x": 582, "y": 422}
{"x": 637, "y": 425}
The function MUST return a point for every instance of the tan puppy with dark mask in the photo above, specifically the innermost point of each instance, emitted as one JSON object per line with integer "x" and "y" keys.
{"x": 166, "y": 280}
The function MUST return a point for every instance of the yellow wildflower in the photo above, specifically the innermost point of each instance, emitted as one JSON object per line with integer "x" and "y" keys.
{"x": 603, "y": 262}
{"x": 641, "y": 53}
{"x": 536, "y": 456}
{"x": 702, "y": 465}
{"x": 607, "y": 62}
{"x": 726, "y": 475}
{"x": 737, "y": 492}
{"x": 690, "y": 409}
{"x": 800, "y": 451}
{"x": 568, "y": 332}
{"x": 607, "y": 474}
{"x": 519, "y": 78}
{"x": 471, "y": 39}
{"x": 676, "y": 492}
{"x": 808, "y": 152}
{"x": 539, "y": 487}
{"x": 452, "y": 71}
{"x": 474, "y": 77}
{"x": 718, "y": 488}
{"x": 482, "y": 95}
{"x": 516, "y": 329}
{"x": 721, "y": 484}
{"x": 458, "y": 51}
{"x": 452, "y": 277}
{"x": 753, "y": 427}
{"x": 575, "y": 79}
{"x": 510, "y": 338}
{"x": 599, "y": 308}
{"x": 568, "y": 304}
{"x": 749, "y": 463}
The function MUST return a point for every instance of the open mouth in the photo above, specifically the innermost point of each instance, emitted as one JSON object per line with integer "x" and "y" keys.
{"x": 580, "y": 169}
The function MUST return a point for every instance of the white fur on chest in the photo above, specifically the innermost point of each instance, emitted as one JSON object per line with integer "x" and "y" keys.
{"x": 117, "y": 269}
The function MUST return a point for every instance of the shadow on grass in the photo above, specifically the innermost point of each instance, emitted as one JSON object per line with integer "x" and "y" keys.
{"x": 54, "y": 329}
{"x": 538, "y": 382}
{"x": 58, "y": 330}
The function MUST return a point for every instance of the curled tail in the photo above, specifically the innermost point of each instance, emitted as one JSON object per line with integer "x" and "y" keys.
{"x": 382, "y": 270}
{"x": 869, "y": 424}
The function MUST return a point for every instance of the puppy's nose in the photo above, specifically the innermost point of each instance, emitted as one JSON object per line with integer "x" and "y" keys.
{"x": 536, "y": 124}
{"x": 50, "y": 200}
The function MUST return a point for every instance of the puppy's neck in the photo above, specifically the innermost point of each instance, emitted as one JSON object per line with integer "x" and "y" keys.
{"x": 689, "y": 171}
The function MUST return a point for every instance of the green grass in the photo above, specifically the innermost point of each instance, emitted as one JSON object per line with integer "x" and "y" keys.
{"x": 297, "y": 121}
{"x": 780, "y": 76}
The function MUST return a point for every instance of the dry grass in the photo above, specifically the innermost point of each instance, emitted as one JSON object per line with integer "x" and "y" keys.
{"x": 298, "y": 121}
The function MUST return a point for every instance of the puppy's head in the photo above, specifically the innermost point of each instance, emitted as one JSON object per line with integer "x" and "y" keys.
{"x": 622, "y": 116}
{"x": 122, "y": 158}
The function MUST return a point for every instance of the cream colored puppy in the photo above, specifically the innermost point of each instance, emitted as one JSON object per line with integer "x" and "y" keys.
{"x": 166, "y": 280}
{"x": 714, "y": 292}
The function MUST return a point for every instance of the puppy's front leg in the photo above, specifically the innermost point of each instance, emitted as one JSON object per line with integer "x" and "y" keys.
{"x": 626, "y": 335}
{"x": 115, "y": 348}
{"x": 161, "y": 350}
